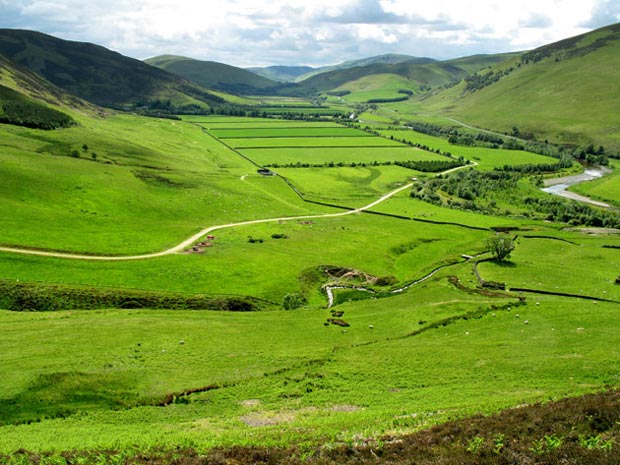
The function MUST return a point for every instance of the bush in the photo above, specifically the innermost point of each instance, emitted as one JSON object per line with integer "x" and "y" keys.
{"x": 293, "y": 301}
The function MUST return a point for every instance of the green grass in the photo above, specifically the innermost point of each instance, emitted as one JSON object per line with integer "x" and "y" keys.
{"x": 153, "y": 184}
{"x": 403, "y": 205}
{"x": 345, "y": 155}
{"x": 540, "y": 97}
{"x": 376, "y": 86}
{"x": 317, "y": 130}
{"x": 582, "y": 268}
{"x": 486, "y": 158}
{"x": 438, "y": 351}
{"x": 353, "y": 141}
{"x": 271, "y": 269}
{"x": 390, "y": 386}
{"x": 348, "y": 186}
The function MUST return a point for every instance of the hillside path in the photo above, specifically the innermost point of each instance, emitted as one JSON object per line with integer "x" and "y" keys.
{"x": 196, "y": 237}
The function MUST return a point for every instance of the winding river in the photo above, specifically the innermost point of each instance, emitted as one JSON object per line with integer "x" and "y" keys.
{"x": 559, "y": 186}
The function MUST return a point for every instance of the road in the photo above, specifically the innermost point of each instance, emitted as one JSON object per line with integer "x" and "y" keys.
{"x": 196, "y": 237}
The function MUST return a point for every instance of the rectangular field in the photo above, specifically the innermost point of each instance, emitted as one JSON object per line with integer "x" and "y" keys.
{"x": 354, "y": 187}
{"x": 282, "y": 156}
{"x": 298, "y": 130}
{"x": 486, "y": 158}
{"x": 286, "y": 142}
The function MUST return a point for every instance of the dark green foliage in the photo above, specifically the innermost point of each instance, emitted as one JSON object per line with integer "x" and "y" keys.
{"x": 476, "y": 82}
{"x": 568, "y": 48}
{"x": 93, "y": 72}
{"x": 430, "y": 166}
{"x": 42, "y": 297}
{"x": 565, "y": 162}
{"x": 476, "y": 190}
{"x": 500, "y": 246}
{"x": 19, "y": 110}
{"x": 293, "y": 301}
{"x": 388, "y": 100}
{"x": 338, "y": 93}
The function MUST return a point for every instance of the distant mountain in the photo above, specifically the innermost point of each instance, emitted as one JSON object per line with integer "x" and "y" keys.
{"x": 213, "y": 75}
{"x": 419, "y": 71}
{"x": 388, "y": 59}
{"x": 566, "y": 91}
{"x": 282, "y": 73}
{"x": 97, "y": 74}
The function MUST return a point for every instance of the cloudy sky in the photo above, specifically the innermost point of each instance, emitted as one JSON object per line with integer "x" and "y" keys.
{"x": 310, "y": 32}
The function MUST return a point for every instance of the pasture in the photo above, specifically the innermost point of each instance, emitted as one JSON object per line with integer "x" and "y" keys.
{"x": 345, "y": 155}
{"x": 126, "y": 185}
{"x": 401, "y": 358}
{"x": 486, "y": 158}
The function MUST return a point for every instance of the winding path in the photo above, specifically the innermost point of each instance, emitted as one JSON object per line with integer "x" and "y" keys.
{"x": 196, "y": 237}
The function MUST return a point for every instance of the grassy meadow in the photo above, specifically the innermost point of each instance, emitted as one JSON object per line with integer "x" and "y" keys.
{"x": 486, "y": 158}
{"x": 386, "y": 361}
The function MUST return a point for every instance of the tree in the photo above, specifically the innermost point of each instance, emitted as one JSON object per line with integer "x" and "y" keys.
{"x": 500, "y": 245}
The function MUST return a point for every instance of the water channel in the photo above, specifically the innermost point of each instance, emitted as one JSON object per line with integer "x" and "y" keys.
{"x": 559, "y": 186}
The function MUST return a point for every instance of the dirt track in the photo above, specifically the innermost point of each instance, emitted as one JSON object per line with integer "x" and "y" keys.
{"x": 196, "y": 237}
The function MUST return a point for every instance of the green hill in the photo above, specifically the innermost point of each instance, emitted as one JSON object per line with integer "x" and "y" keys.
{"x": 387, "y": 59}
{"x": 282, "y": 73}
{"x": 566, "y": 91}
{"x": 97, "y": 74}
{"x": 213, "y": 75}
{"x": 412, "y": 74}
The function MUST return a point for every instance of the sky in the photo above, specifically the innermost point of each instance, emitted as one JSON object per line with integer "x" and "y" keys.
{"x": 310, "y": 32}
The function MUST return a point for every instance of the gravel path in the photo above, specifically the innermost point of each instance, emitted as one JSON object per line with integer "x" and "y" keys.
{"x": 196, "y": 237}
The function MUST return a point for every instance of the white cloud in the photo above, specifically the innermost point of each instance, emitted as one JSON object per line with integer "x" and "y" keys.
{"x": 261, "y": 32}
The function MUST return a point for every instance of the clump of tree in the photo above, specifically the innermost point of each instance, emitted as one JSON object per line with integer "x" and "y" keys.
{"x": 476, "y": 82}
{"x": 481, "y": 191}
{"x": 388, "y": 100}
{"x": 19, "y": 110}
{"x": 565, "y": 161}
{"x": 293, "y": 301}
{"x": 431, "y": 166}
{"x": 500, "y": 246}
{"x": 338, "y": 93}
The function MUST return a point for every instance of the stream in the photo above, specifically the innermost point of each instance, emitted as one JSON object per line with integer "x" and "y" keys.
{"x": 559, "y": 186}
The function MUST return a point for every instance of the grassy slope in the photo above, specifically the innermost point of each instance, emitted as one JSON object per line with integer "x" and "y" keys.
{"x": 377, "y": 86}
{"x": 211, "y": 74}
{"x": 292, "y": 379}
{"x": 415, "y": 74}
{"x": 95, "y": 73}
{"x": 154, "y": 183}
{"x": 474, "y": 365}
{"x": 485, "y": 157}
{"x": 571, "y": 100}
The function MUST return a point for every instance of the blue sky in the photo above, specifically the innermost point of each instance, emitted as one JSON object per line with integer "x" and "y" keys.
{"x": 310, "y": 32}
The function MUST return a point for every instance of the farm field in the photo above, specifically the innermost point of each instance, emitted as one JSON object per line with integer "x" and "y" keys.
{"x": 348, "y": 186}
{"x": 486, "y": 158}
{"x": 290, "y": 130}
{"x": 301, "y": 390}
{"x": 377, "y": 86}
{"x": 345, "y": 155}
{"x": 412, "y": 339}
{"x": 303, "y": 142}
